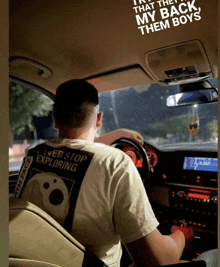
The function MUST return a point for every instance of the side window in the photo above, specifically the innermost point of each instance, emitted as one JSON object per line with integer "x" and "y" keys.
{"x": 30, "y": 117}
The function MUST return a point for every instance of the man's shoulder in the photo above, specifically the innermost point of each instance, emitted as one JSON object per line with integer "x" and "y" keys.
{"x": 101, "y": 151}
{"x": 97, "y": 148}
{"x": 105, "y": 151}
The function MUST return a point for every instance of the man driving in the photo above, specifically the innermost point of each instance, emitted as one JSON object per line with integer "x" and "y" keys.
{"x": 93, "y": 189}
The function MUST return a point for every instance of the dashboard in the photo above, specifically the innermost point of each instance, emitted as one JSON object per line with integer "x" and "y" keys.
{"x": 188, "y": 183}
{"x": 189, "y": 167}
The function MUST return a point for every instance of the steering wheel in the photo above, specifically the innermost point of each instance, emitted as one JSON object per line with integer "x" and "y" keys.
{"x": 145, "y": 170}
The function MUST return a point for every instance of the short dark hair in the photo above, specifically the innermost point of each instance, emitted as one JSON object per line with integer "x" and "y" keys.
{"x": 74, "y": 103}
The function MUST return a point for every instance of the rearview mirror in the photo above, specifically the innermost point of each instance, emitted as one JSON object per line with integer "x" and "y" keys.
{"x": 193, "y": 97}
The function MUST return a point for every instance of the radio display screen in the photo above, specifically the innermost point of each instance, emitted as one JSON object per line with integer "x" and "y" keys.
{"x": 200, "y": 164}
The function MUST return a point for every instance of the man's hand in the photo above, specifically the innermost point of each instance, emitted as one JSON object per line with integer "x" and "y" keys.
{"x": 132, "y": 135}
{"x": 188, "y": 233}
{"x": 109, "y": 138}
{"x": 156, "y": 249}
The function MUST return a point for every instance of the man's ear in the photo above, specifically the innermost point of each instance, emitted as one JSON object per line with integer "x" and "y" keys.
{"x": 54, "y": 122}
{"x": 99, "y": 120}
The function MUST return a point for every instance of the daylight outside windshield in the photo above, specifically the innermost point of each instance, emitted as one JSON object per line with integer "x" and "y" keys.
{"x": 143, "y": 108}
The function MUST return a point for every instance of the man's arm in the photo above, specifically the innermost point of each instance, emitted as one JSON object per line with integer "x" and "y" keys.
{"x": 109, "y": 138}
{"x": 156, "y": 249}
{"x": 136, "y": 223}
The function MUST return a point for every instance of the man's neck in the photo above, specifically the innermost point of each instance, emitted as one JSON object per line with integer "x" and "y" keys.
{"x": 76, "y": 133}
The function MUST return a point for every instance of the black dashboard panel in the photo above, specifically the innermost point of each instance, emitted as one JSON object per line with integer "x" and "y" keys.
{"x": 173, "y": 166}
{"x": 182, "y": 194}
{"x": 192, "y": 191}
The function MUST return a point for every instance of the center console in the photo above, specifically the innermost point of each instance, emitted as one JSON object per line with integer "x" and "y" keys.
{"x": 193, "y": 198}
{"x": 195, "y": 207}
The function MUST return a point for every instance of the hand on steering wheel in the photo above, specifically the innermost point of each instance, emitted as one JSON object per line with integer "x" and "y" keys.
{"x": 145, "y": 170}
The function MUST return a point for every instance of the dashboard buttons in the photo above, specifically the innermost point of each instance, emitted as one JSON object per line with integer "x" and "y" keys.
{"x": 164, "y": 176}
{"x": 181, "y": 194}
{"x": 215, "y": 199}
{"x": 196, "y": 205}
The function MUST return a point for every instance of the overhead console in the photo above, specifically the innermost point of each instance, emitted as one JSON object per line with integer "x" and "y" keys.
{"x": 181, "y": 63}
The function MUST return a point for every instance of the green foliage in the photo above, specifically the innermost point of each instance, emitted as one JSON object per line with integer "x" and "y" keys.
{"x": 24, "y": 103}
{"x": 176, "y": 127}
{"x": 213, "y": 127}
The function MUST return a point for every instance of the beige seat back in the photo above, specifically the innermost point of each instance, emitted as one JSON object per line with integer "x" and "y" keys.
{"x": 35, "y": 235}
{"x": 13, "y": 262}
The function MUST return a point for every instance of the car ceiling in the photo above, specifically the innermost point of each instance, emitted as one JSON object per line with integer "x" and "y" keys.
{"x": 53, "y": 41}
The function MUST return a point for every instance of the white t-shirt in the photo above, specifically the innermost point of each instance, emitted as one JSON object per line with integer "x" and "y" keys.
{"x": 112, "y": 205}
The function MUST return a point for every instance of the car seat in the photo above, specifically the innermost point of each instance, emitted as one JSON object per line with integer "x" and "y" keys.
{"x": 36, "y": 239}
{"x": 13, "y": 262}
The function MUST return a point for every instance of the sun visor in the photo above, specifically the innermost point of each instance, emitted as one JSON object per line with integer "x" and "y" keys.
{"x": 180, "y": 63}
{"x": 124, "y": 78}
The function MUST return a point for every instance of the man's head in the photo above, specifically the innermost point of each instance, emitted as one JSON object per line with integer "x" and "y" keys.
{"x": 76, "y": 106}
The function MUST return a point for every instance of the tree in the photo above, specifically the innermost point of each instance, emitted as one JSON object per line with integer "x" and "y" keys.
{"x": 213, "y": 127}
{"x": 24, "y": 103}
{"x": 177, "y": 127}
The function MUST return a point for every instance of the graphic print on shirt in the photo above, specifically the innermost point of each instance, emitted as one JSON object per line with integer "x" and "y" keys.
{"x": 51, "y": 179}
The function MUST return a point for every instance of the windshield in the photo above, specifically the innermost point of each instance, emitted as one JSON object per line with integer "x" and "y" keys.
{"x": 140, "y": 108}
{"x": 143, "y": 108}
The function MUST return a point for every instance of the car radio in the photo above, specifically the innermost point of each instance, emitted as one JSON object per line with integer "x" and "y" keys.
{"x": 201, "y": 172}
{"x": 195, "y": 207}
